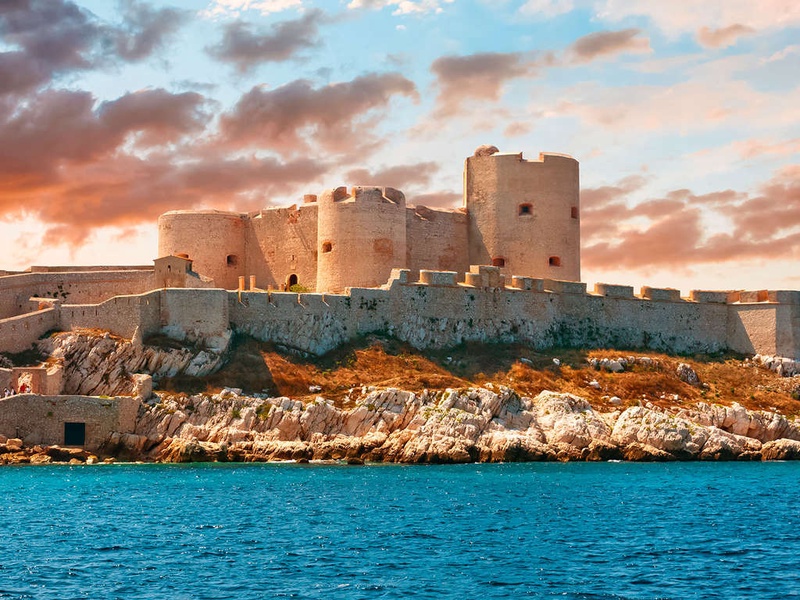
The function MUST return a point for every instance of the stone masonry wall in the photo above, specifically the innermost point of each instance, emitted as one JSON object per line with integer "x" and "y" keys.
{"x": 17, "y": 334}
{"x": 121, "y": 315}
{"x": 439, "y": 311}
{"x": 72, "y": 287}
{"x": 436, "y": 239}
{"x": 40, "y": 419}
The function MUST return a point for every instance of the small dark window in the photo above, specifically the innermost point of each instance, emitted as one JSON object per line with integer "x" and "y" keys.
{"x": 327, "y": 246}
{"x": 555, "y": 261}
{"x": 74, "y": 434}
{"x": 499, "y": 262}
{"x": 574, "y": 212}
{"x": 525, "y": 209}
{"x": 232, "y": 260}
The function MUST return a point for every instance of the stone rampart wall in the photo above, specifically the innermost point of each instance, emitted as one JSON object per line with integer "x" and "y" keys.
{"x": 538, "y": 313}
{"x": 193, "y": 314}
{"x": 120, "y": 315}
{"x": 441, "y": 312}
{"x": 19, "y": 333}
{"x": 40, "y": 419}
{"x": 70, "y": 287}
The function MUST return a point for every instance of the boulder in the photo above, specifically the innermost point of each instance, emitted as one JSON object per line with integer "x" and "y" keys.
{"x": 781, "y": 450}
{"x": 687, "y": 374}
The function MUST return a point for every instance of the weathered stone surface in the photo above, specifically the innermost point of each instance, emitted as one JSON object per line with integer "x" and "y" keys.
{"x": 781, "y": 450}
{"x": 688, "y": 374}
{"x": 106, "y": 365}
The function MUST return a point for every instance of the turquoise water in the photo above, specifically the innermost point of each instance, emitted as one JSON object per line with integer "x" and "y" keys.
{"x": 584, "y": 531}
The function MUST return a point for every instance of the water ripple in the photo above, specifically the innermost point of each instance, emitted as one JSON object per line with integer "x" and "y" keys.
{"x": 575, "y": 531}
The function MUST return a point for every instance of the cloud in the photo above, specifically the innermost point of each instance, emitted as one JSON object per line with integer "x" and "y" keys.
{"x": 722, "y": 37}
{"x": 236, "y": 7}
{"x": 781, "y": 54}
{"x": 297, "y": 116}
{"x": 76, "y": 164}
{"x": 245, "y": 49}
{"x": 684, "y": 16}
{"x": 546, "y": 8}
{"x": 672, "y": 231}
{"x": 444, "y": 199}
{"x": 477, "y": 76}
{"x": 603, "y": 44}
{"x": 61, "y": 129}
{"x": 145, "y": 30}
{"x": 48, "y": 38}
{"x": 483, "y": 76}
{"x": 690, "y": 106}
{"x": 402, "y": 7}
{"x": 400, "y": 176}
{"x": 125, "y": 191}
{"x": 753, "y": 148}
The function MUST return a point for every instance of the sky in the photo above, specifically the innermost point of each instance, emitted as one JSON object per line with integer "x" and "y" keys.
{"x": 685, "y": 117}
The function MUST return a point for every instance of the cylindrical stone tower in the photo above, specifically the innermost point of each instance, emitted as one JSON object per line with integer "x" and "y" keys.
{"x": 361, "y": 237}
{"x": 524, "y": 215}
{"x": 214, "y": 240}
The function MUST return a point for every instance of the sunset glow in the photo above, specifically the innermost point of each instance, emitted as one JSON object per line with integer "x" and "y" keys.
{"x": 684, "y": 116}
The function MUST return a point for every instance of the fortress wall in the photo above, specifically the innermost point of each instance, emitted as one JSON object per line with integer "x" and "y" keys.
{"x": 521, "y": 211}
{"x": 73, "y": 287}
{"x": 120, "y": 315}
{"x": 40, "y": 419}
{"x": 314, "y": 323}
{"x": 193, "y": 313}
{"x": 281, "y": 242}
{"x": 436, "y": 239}
{"x": 619, "y": 322}
{"x": 17, "y": 334}
{"x": 752, "y": 326}
{"x": 90, "y": 269}
{"x": 438, "y": 316}
{"x": 214, "y": 240}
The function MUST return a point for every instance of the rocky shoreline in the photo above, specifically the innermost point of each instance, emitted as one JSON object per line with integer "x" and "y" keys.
{"x": 606, "y": 418}
{"x": 452, "y": 426}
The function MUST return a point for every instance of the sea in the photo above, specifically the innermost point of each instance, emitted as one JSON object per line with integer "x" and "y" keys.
{"x": 542, "y": 530}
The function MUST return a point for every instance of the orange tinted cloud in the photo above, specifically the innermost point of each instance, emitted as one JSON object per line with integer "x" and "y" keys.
{"x": 765, "y": 225}
{"x": 603, "y": 44}
{"x": 400, "y": 176}
{"x": 478, "y": 76}
{"x": 298, "y": 116}
{"x": 722, "y": 37}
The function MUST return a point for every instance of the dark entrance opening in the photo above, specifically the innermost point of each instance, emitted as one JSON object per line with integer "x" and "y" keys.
{"x": 74, "y": 434}
{"x": 292, "y": 280}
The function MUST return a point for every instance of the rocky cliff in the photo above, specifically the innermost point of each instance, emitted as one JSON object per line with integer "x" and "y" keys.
{"x": 452, "y": 426}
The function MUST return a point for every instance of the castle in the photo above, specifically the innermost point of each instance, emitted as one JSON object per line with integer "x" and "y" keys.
{"x": 522, "y": 216}
{"x": 503, "y": 268}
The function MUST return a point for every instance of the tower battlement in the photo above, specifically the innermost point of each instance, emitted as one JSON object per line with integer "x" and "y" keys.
{"x": 364, "y": 194}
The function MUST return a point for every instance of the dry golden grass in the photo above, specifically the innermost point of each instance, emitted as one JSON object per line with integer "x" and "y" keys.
{"x": 380, "y": 362}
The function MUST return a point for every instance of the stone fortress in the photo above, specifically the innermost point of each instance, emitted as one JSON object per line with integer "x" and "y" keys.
{"x": 519, "y": 215}
{"x": 503, "y": 268}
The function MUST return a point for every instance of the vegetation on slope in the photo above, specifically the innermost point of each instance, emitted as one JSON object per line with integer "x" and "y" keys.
{"x": 382, "y": 362}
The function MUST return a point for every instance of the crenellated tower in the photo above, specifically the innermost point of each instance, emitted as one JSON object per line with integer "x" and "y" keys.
{"x": 524, "y": 215}
{"x": 361, "y": 237}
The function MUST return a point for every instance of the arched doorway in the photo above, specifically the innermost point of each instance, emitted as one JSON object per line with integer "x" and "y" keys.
{"x": 291, "y": 280}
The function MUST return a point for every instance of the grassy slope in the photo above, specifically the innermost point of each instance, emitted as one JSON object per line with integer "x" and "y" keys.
{"x": 374, "y": 361}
